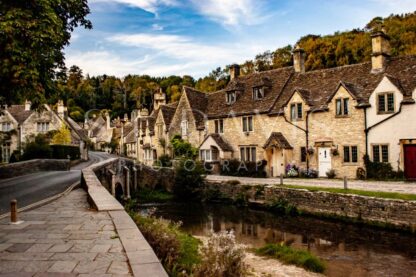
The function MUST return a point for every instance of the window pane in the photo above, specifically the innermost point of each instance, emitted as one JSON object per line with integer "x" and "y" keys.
{"x": 292, "y": 112}
{"x": 303, "y": 154}
{"x": 216, "y": 126}
{"x": 208, "y": 155}
{"x": 253, "y": 154}
{"x": 381, "y": 103}
{"x": 299, "y": 111}
{"x": 354, "y": 154}
{"x": 244, "y": 124}
{"x": 242, "y": 156}
{"x": 376, "y": 153}
{"x": 221, "y": 126}
{"x": 346, "y": 154}
{"x": 346, "y": 111}
{"x": 339, "y": 109}
{"x": 248, "y": 158}
{"x": 390, "y": 102}
{"x": 385, "y": 153}
{"x": 250, "y": 123}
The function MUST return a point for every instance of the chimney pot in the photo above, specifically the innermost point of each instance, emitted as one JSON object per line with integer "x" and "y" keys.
{"x": 28, "y": 104}
{"x": 234, "y": 71}
{"x": 299, "y": 59}
{"x": 380, "y": 50}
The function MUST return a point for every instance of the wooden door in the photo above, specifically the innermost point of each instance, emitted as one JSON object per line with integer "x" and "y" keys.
{"x": 324, "y": 160}
{"x": 410, "y": 161}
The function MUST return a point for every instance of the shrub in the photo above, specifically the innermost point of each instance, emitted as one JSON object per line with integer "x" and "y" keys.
{"x": 236, "y": 167}
{"x": 164, "y": 161}
{"x": 183, "y": 149}
{"x": 288, "y": 255}
{"x": 63, "y": 151}
{"x": 37, "y": 149}
{"x": 331, "y": 174}
{"x": 222, "y": 257}
{"x": 176, "y": 250}
{"x": 15, "y": 157}
{"x": 189, "y": 178}
{"x": 311, "y": 173}
{"x": 283, "y": 207}
{"x": 381, "y": 171}
{"x": 292, "y": 170}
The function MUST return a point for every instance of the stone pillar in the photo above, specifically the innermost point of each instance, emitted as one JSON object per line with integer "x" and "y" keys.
{"x": 127, "y": 182}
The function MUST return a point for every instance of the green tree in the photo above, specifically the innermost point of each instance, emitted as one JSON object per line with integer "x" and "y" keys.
{"x": 33, "y": 36}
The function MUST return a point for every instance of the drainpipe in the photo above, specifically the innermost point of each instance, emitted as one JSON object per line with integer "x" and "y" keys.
{"x": 366, "y": 131}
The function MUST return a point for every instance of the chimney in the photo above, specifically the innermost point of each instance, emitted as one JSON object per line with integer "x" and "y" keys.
{"x": 381, "y": 51}
{"x": 234, "y": 71}
{"x": 108, "y": 120}
{"x": 61, "y": 109}
{"x": 299, "y": 59}
{"x": 159, "y": 99}
{"x": 126, "y": 118}
{"x": 27, "y": 105}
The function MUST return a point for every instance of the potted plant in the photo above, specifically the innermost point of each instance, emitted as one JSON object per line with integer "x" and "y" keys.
{"x": 335, "y": 152}
{"x": 311, "y": 150}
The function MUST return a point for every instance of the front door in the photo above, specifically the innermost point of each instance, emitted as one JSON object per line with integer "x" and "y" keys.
{"x": 324, "y": 160}
{"x": 278, "y": 166}
{"x": 410, "y": 161}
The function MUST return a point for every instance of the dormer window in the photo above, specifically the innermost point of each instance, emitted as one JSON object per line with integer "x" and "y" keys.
{"x": 296, "y": 111}
{"x": 43, "y": 127}
{"x": 230, "y": 97}
{"x": 342, "y": 106}
{"x": 258, "y": 93}
{"x": 385, "y": 103}
{"x": 184, "y": 128}
{"x": 6, "y": 126}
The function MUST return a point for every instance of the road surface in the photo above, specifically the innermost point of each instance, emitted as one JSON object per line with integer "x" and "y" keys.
{"x": 31, "y": 188}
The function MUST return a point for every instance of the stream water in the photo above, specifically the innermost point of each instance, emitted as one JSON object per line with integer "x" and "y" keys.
{"x": 348, "y": 249}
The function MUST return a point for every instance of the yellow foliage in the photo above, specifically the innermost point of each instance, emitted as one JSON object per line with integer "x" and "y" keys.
{"x": 63, "y": 136}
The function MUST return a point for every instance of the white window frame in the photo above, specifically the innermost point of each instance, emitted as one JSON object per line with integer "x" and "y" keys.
{"x": 184, "y": 128}
{"x": 245, "y": 123}
{"x": 342, "y": 112}
{"x": 6, "y": 126}
{"x": 295, "y": 116}
{"x": 206, "y": 155}
{"x": 42, "y": 127}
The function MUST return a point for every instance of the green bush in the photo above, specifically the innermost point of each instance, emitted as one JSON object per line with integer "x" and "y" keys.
{"x": 183, "y": 149}
{"x": 63, "y": 151}
{"x": 381, "y": 171}
{"x": 146, "y": 195}
{"x": 236, "y": 167}
{"x": 164, "y": 161}
{"x": 39, "y": 148}
{"x": 189, "y": 178}
{"x": 288, "y": 255}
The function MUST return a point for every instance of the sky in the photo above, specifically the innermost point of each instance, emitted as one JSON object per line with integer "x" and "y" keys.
{"x": 193, "y": 37}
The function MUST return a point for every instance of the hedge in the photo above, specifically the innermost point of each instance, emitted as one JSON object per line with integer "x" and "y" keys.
{"x": 63, "y": 151}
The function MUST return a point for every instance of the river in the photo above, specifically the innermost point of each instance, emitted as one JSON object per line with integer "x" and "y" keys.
{"x": 348, "y": 249}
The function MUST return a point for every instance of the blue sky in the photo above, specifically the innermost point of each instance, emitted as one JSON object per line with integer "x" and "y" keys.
{"x": 192, "y": 37}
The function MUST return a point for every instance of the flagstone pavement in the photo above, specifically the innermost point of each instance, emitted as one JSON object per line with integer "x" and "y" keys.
{"x": 63, "y": 238}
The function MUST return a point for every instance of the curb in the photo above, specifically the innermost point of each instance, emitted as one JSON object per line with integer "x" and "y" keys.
{"x": 45, "y": 201}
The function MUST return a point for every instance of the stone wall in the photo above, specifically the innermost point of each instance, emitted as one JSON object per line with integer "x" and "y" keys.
{"x": 32, "y": 166}
{"x": 155, "y": 178}
{"x": 398, "y": 213}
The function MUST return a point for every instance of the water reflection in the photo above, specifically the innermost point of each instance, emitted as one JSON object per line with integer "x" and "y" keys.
{"x": 349, "y": 250}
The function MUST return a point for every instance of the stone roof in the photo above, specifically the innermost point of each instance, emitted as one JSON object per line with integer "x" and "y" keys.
{"x": 358, "y": 79}
{"x": 19, "y": 113}
{"x": 168, "y": 112}
{"x": 278, "y": 140}
{"x": 130, "y": 138}
{"x": 198, "y": 101}
{"x": 220, "y": 141}
{"x": 272, "y": 81}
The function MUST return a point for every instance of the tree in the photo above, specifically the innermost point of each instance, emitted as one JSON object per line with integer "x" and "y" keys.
{"x": 63, "y": 136}
{"x": 33, "y": 36}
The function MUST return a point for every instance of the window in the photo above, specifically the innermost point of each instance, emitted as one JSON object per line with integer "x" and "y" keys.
{"x": 6, "y": 126}
{"x": 43, "y": 126}
{"x": 247, "y": 124}
{"x": 296, "y": 111}
{"x": 148, "y": 154}
{"x": 184, "y": 128}
{"x": 230, "y": 97}
{"x": 248, "y": 153}
{"x": 385, "y": 103}
{"x": 5, "y": 153}
{"x": 381, "y": 153}
{"x": 303, "y": 154}
{"x": 342, "y": 107}
{"x": 350, "y": 154}
{"x": 219, "y": 126}
{"x": 205, "y": 155}
{"x": 258, "y": 93}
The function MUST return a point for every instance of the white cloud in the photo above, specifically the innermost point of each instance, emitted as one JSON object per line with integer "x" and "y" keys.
{"x": 157, "y": 27}
{"x": 147, "y": 5}
{"x": 231, "y": 12}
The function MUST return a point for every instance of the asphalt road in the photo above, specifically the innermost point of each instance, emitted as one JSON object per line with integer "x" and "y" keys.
{"x": 31, "y": 188}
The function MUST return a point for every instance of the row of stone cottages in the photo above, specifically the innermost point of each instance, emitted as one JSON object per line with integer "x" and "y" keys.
{"x": 322, "y": 119}
{"x": 19, "y": 124}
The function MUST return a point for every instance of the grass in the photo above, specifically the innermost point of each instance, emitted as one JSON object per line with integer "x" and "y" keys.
{"x": 145, "y": 195}
{"x": 288, "y": 255}
{"x": 378, "y": 194}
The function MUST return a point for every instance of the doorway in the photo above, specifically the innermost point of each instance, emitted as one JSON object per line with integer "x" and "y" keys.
{"x": 410, "y": 161}
{"x": 324, "y": 160}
